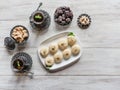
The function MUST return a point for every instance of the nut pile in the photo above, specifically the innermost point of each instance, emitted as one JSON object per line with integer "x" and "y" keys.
{"x": 84, "y": 21}
{"x": 63, "y": 16}
{"x": 19, "y": 33}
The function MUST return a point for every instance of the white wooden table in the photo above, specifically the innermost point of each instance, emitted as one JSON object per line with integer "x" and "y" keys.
{"x": 99, "y": 66}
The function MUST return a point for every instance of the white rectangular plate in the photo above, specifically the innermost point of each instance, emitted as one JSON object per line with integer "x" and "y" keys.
{"x": 64, "y": 63}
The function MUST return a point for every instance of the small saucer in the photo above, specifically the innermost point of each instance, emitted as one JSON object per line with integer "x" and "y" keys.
{"x": 40, "y": 25}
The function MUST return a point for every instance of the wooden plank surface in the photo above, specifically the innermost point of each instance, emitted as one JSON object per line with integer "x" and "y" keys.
{"x": 98, "y": 68}
{"x": 94, "y": 61}
{"x": 60, "y": 83}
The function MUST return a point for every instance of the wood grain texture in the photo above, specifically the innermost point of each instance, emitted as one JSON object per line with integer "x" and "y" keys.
{"x": 60, "y": 83}
{"x": 94, "y": 61}
{"x": 104, "y": 36}
{"x": 98, "y": 68}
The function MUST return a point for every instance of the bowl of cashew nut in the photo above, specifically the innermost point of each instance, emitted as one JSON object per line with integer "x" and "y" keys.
{"x": 20, "y": 34}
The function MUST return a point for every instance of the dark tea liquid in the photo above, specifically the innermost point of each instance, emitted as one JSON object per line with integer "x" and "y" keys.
{"x": 18, "y": 64}
{"x": 38, "y": 17}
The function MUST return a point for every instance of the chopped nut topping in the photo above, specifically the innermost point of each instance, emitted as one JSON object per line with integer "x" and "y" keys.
{"x": 19, "y": 34}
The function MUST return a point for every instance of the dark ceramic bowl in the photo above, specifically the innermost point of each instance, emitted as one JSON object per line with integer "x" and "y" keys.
{"x": 34, "y": 14}
{"x": 63, "y": 16}
{"x": 24, "y": 41}
{"x": 9, "y": 43}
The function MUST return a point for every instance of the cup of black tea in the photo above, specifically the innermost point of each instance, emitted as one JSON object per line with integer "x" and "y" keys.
{"x": 40, "y": 19}
{"x": 21, "y": 62}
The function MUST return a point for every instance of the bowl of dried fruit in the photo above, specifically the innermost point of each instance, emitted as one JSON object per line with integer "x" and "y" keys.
{"x": 20, "y": 34}
{"x": 63, "y": 15}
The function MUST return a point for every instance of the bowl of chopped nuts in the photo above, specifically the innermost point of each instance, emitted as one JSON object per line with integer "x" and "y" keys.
{"x": 20, "y": 34}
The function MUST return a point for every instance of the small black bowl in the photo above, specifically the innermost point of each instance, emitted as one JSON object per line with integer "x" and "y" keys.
{"x": 44, "y": 24}
{"x": 63, "y": 16}
{"x": 24, "y": 39}
{"x": 9, "y": 43}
